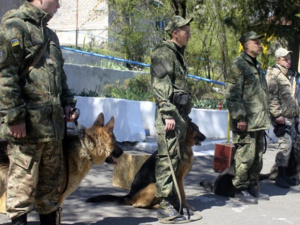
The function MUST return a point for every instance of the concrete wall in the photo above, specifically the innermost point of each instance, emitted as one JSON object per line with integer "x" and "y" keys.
{"x": 132, "y": 118}
{"x": 85, "y": 72}
{"x": 72, "y": 57}
{"x": 93, "y": 78}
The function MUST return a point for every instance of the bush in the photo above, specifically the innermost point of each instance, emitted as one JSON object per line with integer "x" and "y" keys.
{"x": 88, "y": 93}
{"x": 210, "y": 104}
{"x": 137, "y": 88}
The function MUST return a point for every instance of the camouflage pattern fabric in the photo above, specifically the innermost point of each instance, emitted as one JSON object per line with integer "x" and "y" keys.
{"x": 247, "y": 94}
{"x": 34, "y": 176}
{"x": 170, "y": 143}
{"x": 282, "y": 93}
{"x": 283, "y": 102}
{"x": 247, "y": 158}
{"x": 169, "y": 74}
{"x": 296, "y": 149}
{"x": 36, "y": 98}
{"x": 247, "y": 100}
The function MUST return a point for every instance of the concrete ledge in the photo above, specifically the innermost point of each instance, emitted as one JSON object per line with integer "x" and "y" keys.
{"x": 128, "y": 165}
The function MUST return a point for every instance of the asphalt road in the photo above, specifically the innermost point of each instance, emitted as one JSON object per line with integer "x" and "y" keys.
{"x": 282, "y": 208}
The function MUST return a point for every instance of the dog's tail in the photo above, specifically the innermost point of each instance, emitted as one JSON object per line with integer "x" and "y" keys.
{"x": 208, "y": 186}
{"x": 109, "y": 198}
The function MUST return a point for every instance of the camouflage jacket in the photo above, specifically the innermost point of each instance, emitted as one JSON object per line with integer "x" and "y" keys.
{"x": 38, "y": 97}
{"x": 247, "y": 94}
{"x": 168, "y": 76}
{"x": 282, "y": 92}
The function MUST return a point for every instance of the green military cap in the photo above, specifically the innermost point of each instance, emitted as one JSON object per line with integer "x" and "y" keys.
{"x": 249, "y": 36}
{"x": 176, "y": 22}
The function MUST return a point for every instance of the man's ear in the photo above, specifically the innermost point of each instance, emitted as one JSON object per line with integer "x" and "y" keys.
{"x": 175, "y": 33}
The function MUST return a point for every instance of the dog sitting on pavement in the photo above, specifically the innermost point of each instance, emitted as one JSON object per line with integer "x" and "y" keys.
{"x": 94, "y": 145}
{"x": 143, "y": 188}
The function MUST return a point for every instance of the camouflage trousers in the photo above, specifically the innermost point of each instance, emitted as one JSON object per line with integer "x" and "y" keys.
{"x": 296, "y": 149}
{"x": 285, "y": 144}
{"x": 248, "y": 157}
{"x": 172, "y": 144}
{"x": 34, "y": 176}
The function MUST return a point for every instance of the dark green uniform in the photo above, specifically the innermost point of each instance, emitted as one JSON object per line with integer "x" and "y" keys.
{"x": 169, "y": 79}
{"x": 37, "y": 99}
{"x": 247, "y": 100}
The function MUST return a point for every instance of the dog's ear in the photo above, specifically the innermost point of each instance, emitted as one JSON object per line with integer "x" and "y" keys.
{"x": 111, "y": 123}
{"x": 99, "y": 122}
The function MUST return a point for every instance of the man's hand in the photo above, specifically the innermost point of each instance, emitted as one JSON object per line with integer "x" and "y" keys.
{"x": 69, "y": 116}
{"x": 18, "y": 131}
{"x": 242, "y": 126}
{"x": 280, "y": 120}
{"x": 170, "y": 124}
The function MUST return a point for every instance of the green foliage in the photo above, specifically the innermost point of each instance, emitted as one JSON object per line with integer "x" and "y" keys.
{"x": 210, "y": 104}
{"x": 137, "y": 88}
{"x": 88, "y": 93}
{"x": 133, "y": 29}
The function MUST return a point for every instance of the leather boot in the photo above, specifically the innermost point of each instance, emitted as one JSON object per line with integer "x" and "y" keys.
{"x": 20, "y": 220}
{"x": 174, "y": 201}
{"x": 167, "y": 210}
{"x": 254, "y": 191}
{"x": 244, "y": 196}
{"x": 48, "y": 219}
{"x": 281, "y": 180}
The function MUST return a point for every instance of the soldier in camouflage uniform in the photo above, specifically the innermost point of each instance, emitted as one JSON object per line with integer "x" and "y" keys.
{"x": 247, "y": 99}
{"x": 169, "y": 81}
{"x": 284, "y": 110}
{"x": 32, "y": 107}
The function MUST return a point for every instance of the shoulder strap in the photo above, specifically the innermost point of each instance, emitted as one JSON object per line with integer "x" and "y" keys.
{"x": 39, "y": 55}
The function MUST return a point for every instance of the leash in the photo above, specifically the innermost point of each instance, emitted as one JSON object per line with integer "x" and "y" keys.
{"x": 196, "y": 215}
{"x": 266, "y": 144}
{"x": 169, "y": 219}
{"x": 75, "y": 111}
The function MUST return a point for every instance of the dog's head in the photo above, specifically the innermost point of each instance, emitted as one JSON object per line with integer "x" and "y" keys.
{"x": 103, "y": 138}
{"x": 194, "y": 135}
{"x": 117, "y": 152}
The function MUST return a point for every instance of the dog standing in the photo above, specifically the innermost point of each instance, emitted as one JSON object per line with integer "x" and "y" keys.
{"x": 143, "y": 188}
{"x": 96, "y": 144}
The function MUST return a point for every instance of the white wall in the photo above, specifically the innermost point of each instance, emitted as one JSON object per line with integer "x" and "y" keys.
{"x": 133, "y": 117}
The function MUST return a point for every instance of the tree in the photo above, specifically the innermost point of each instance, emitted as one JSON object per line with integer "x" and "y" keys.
{"x": 274, "y": 18}
{"x": 138, "y": 25}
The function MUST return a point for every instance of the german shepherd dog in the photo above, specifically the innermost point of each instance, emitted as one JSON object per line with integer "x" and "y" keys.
{"x": 143, "y": 189}
{"x": 94, "y": 145}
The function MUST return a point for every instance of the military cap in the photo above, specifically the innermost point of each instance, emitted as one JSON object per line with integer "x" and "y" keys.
{"x": 251, "y": 35}
{"x": 176, "y": 22}
{"x": 281, "y": 52}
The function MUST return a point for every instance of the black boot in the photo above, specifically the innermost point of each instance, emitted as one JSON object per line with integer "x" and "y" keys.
{"x": 254, "y": 191}
{"x": 20, "y": 220}
{"x": 48, "y": 219}
{"x": 281, "y": 180}
{"x": 244, "y": 196}
{"x": 166, "y": 213}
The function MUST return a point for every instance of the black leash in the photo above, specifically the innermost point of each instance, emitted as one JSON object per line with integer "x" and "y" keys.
{"x": 75, "y": 111}
{"x": 266, "y": 144}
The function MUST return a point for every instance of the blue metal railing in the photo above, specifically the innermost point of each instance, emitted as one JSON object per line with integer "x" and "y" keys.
{"x": 135, "y": 63}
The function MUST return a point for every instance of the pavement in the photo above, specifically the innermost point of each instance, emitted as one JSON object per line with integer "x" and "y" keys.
{"x": 282, "y": 208}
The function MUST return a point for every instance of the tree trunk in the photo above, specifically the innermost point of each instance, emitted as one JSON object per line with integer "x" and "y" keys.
{"x": 294, "y": 45}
